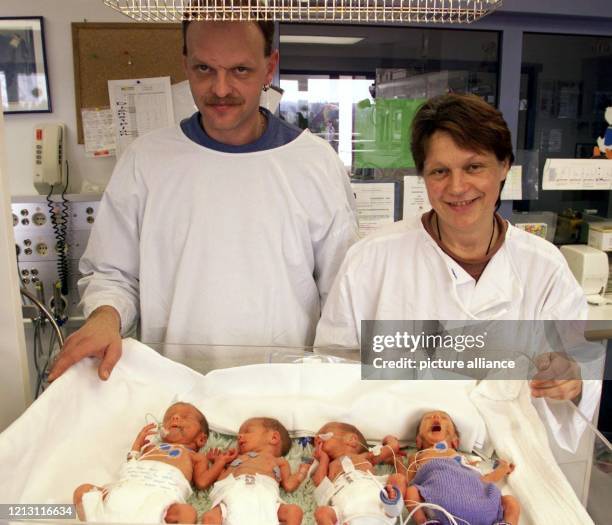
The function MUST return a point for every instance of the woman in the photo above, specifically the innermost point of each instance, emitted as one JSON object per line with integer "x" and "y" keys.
{"x": 461, "y": 260}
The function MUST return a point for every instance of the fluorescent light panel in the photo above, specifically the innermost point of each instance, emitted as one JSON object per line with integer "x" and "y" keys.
{"x": 311, "y": 39}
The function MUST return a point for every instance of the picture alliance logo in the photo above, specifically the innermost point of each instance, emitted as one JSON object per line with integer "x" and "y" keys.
{"x": 413, "y": 342}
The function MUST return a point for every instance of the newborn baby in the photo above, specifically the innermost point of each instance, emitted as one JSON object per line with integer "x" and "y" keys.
{"x": 346, "y": 486}
{"x": 154, "y": 484}
{"x": 439, "y": 475}
{"x": 247, "y": 490}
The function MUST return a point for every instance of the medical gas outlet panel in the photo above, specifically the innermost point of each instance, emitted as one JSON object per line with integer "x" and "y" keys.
{"x": 43, "y": 231}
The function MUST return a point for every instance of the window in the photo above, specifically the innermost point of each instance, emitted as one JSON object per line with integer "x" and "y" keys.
{"x": 566, "y": 85}
{"x": 330, "y": 74}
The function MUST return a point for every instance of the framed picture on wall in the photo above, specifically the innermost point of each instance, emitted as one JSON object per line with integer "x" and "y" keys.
{"x": 24, "y": 87}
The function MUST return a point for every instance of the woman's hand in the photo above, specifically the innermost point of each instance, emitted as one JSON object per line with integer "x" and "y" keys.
{"x": 558, "y": 377}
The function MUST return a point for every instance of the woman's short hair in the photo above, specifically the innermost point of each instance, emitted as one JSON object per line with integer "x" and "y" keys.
{"x": 471, "y": 122}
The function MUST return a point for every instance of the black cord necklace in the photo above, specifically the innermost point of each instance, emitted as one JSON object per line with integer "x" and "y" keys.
{"x": 490, "y": 240}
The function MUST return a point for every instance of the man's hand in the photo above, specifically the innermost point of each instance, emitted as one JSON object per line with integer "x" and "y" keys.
{"x": 99, "y": 337}
{"x": 558, "y": 377}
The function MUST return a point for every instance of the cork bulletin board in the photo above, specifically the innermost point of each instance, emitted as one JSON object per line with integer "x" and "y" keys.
{"x": 110, "y": 51}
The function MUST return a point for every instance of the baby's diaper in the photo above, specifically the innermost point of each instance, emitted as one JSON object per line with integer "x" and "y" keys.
{"x": 249, "y": 499}
{"x": 143, "y": 494}
{"x": 356, "y": 499}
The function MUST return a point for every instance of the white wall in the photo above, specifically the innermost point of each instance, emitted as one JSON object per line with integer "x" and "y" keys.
{"x": 58, "y": 15}
{"x": 14, "y": 378}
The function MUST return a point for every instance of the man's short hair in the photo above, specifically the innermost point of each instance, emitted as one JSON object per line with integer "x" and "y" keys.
{"x": 265, "y": 26}
{"x": 275, "y": 425}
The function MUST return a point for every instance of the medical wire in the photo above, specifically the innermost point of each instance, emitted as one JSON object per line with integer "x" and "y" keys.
{"x": 43, "y": 373}
{"x": 451, "y": 518}
{"x": 43, "y": 309}
{"x": 589, "y": 424}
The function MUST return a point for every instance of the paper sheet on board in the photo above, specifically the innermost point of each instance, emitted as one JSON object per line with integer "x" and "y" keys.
{"x": 416, "y": 202}
{"x": 139, "y": 106}
{"x": 513, "y": 188}
{"x": 375, "y": 205}
{"x": 98, "y": 132}
{"x": 577, "y": 174}
{"x": 182, "y": 101}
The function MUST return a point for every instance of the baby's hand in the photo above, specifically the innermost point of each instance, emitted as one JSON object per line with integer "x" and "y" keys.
{"x": 141, "y": 438}
{"x": 504, "y": 466}
{"x": 393, "y": 442}
{"x": 391, "y": 492}
{"x": 227, "y": 456}
{"x": 212, "y": 454}
{"x": 302, "y": 471}
{"x": 319, "y": 453}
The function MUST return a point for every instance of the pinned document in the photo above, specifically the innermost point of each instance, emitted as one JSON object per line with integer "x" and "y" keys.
{"x": 577, "y": 174}
{"x": 139, "y": 106}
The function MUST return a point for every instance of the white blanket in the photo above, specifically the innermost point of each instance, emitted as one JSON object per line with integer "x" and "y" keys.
{"x": 519, "y": 436}
{"x": 80, "y": 429}
{"x": 304, "y": 397}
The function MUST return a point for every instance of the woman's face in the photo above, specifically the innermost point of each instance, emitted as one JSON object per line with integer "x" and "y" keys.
{"x": 462, "y": 185}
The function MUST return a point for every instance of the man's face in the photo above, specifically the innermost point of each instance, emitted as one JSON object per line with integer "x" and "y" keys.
{"x": 227, "y": 68}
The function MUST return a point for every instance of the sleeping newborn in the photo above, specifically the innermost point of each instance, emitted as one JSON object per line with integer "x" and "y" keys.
{"x": 247, "y": 490}
{"x": 155, "y": 483}
{"x": 347, "y": 489}
{"x": 439, "y": 475}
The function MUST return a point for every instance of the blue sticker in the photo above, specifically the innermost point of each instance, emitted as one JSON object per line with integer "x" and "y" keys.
{"x": 305, "y": 441}
{"x": 165, "y": 446}
{"x": 174, "y": 453}
{"x": 457, "y": 459}
{"x": 440, "y": 446}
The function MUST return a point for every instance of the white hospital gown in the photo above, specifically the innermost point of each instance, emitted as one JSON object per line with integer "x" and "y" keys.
{"x": 220, "y": 248}
{"x": 401, "y": 273}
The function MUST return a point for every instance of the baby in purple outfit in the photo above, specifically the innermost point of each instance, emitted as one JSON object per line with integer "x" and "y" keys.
{"x": 439, "y": 475}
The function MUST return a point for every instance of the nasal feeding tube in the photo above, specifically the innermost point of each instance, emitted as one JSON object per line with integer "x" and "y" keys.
{"x": 158, "y": 437}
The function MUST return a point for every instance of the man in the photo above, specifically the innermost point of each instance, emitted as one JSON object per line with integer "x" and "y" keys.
{"x": 227, "y": 230}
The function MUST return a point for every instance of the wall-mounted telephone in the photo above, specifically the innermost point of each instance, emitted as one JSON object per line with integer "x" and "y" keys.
{"x": 49, "y": 157}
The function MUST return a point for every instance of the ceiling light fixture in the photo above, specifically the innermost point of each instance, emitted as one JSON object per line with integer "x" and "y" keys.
{"x": 347, "y": 11}
{"x": 312, "y": 39}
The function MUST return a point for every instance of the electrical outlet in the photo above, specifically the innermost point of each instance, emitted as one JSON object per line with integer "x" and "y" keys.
{"x": 42, "y": 249}
{"x": 39, "y": 218}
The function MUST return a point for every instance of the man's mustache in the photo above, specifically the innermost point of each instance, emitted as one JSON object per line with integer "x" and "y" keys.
{"x": 227, "y": 101}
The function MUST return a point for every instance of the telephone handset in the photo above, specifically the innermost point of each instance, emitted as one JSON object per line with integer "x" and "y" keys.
{"x": 49, "y": 156}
